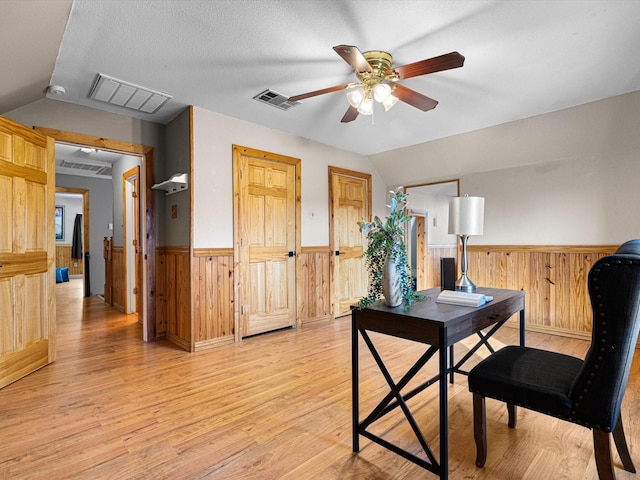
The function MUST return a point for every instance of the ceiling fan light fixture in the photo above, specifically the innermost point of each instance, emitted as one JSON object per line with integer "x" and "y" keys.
{"x": 355, "y": 96}
{"x": 366, "y": 107}
{"x": 389, "y": 102}
{"x": 381, "y": 92}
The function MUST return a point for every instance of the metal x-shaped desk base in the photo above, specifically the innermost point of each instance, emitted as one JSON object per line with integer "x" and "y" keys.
{"x": 395, "y": 398}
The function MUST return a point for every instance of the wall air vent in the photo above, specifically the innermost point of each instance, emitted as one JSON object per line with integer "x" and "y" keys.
{"x": 116, "y": 92}
{"x": 275, "y": 99}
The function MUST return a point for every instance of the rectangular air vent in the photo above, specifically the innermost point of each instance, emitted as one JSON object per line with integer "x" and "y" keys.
{"x": 275, "y": 99}
{"x": 87, "y": 169}
{"x": 117, "y": 92}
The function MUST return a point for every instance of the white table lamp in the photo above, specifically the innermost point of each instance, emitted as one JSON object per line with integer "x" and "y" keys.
{"x": 466, "y": 218}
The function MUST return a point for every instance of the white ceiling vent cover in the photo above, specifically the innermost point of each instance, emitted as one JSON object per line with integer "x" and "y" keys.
{"x": 117, "y": 92}
{"x": 275, "y": 99}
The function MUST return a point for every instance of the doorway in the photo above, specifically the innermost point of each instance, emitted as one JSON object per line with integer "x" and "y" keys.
{"x": 349, "y": 203}
{"x": 73, "y": 201}
{"x": 147, "y": 198}
{"x": 267, "y": 239}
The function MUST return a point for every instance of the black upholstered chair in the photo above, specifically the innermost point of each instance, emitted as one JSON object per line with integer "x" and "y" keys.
{"x": 587, "y": 392}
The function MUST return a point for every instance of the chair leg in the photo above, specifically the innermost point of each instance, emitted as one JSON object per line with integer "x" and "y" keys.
{"x": 480, "y": 428}
{"x": 602, "y": 449}
{"x": 513, "y": 415}
{"x": 621, "y": 445}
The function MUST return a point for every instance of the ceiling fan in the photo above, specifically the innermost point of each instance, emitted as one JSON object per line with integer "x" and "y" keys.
{"x": 378, "y": 80}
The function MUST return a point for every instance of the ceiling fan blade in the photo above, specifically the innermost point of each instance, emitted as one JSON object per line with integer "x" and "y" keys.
{"x": 414, "y": 98}
{"x": 318, "y": 92}
{"x": 350, "y": 115}
{"x": 353, "y": 57}
{"x": 430, "y": 65}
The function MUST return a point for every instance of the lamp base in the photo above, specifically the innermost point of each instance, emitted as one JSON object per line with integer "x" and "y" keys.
{"x": 465, "y": 285}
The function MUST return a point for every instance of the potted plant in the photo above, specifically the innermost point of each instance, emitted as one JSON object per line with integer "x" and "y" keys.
{"x": 386, "y": 256}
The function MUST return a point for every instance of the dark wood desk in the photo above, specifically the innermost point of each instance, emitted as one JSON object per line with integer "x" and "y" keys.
{"x": 439, "y": 326}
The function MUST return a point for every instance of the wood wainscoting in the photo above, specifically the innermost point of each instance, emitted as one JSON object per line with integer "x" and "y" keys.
{"x": 434, "y": 254}
{"x": 173, "y": 299}
{"x": 213, "y": 299}
{"x": 114, "y": 270}
{"x": 553, "y": 277}
{"x": 63, "y": 259}
{"x": 212, "y": 303}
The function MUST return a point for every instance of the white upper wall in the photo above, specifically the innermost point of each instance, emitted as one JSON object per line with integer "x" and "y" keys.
{"x": 212, "y": 183}
{"x": 570, "y": 177}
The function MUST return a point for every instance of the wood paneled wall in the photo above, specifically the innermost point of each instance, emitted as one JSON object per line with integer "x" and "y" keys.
{"x": 63, "y": 259}
{"x": 434, "y": 254}
{"x": 212, "y": 322}
{"x": 553, "y": 277}
{"x": 213, "y": 299}
{"x": 173, "y": 295}
{"x": 313, "y": 284}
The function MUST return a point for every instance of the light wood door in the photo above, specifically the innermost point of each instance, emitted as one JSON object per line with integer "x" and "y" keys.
{"x": 267, "y": 237}
{"x": 350, "y": 202}
{"x": 133, "y": 250}
{"x": 27, "y": 251}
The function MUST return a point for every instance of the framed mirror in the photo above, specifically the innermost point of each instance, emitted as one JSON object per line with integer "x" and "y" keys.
{"x": 428, "y": 239}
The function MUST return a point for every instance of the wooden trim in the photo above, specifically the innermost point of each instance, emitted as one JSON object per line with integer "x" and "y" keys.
{"x": 97, "y": 142}
{"x": 193, "y": 280}
{"x": 544, "y": 248}
{"x": 147, "y": 194}
{"x": 326, "y": 249}
{"x": 172, "y": 250}
{"x": 456, "y": 180}
{"x": 212, "y": 252}
{"x": 180, "y": 342}
{"x": 214, "y": 342}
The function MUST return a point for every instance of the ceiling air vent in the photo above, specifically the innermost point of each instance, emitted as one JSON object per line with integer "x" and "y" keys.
{"x": 116, "y": 92}
{"x": 275, "y": 99}
{"x": 84, "y": 169}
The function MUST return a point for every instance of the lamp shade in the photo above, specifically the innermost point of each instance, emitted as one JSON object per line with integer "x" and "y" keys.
{"x": 466, "y": 215}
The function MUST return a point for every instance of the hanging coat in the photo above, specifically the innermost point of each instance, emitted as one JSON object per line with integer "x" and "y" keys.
{"x": 76, "y": 244}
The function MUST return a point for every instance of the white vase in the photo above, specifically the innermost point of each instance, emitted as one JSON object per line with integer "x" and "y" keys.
{"x": 391, "y": 286}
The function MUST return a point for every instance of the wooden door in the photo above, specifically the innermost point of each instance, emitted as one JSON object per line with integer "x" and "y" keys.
{"x": 27, "y": 251}
{"x": 131, "y": 216}
{"x": 349, "y": 203}
{"x": 266, "y": 240}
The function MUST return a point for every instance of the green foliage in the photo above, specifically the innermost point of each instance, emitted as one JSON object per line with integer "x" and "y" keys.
{"x": 386, "y": 240}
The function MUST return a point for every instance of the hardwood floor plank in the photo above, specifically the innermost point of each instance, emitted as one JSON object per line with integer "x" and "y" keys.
{"x": 276, "y": 406}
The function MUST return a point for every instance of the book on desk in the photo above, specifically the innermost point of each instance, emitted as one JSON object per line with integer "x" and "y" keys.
{"x": 463, "y": 298}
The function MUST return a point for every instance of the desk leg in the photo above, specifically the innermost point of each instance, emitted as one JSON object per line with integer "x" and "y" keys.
{"x": 451, "y": 364}
{"x": 354, "y": 384}
{"x": 444, "y": 408}
{"x": 522, "y": 327}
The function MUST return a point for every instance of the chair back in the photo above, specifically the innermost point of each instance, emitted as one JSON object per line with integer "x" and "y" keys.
{"x": 614, "y": 290}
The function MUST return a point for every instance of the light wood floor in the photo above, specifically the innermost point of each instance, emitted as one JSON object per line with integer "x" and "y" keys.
{"x": 276, "y": 406}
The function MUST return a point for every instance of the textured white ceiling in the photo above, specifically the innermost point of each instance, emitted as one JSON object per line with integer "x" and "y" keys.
{"x": 523, "y": 58}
